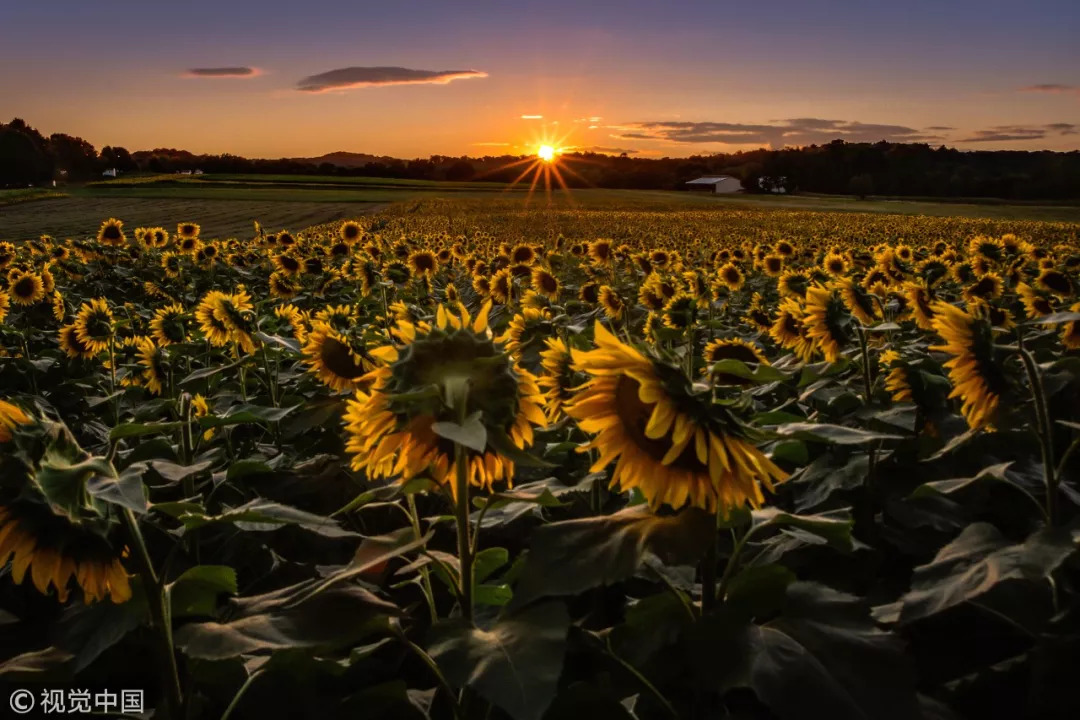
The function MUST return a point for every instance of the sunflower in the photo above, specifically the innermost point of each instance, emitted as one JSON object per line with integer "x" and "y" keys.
{"x": 522, "y": 255}
{"x": 558, "y": 377}
{"x": 679, "y": 312}
{"x": 27, "y": 289}
{"x": 793, "y": 283}
{"x": 389, "y": 436}
{"x": 112, "y": 233}
{"x": 283, "y": 286}
{"x": 48, "y": 282}
{"x": 331, "y": 358}
{"x": 659, "y": 259}
{"x": 423, "y": 263}
{"x": 674, "y": 446}
{"x": 169, "y": 325}
{"x": 1055, "y": 281}
{"x": 860, "y": 303}
{"x": 296, "y": 319}
{"x": 988, "y": 287}
{"x": 350, "y": 232}
{"x": 600, "y": 252}
{"x": 233, "y": 312}
{"x": 731, "y": 276}
{"x": 1070, "y": 331}
{"x": 94, "y": 325}
{"x": 59, "y": 309}
{"x": 611, "y": 303}
{"x": 772, "y": 265}
{"x": 896, "y": 381}
{"x": 789, "y": 331}
{"x": 10, "y": 416}
{"x": 526, "y": 327}
{"x": 757, "y": 314}
{"x": 215, "y": 330}
{"x": 171, "y": 264}
{"x": 70, "y": 343}
{"x": 187, "y": 230}
{"x": 154, "y": 371}
{"x": 976, "y": 377}
{"x": 545, "y": 283}
{"x": 731, "y": 349}
{"x": 481, "y": 286}
{"x": 1035, "y": 304}
{"x": 502, "y": 286}
{"x": 826, "y": 321}
{"x": 698, "y": 286}
{"x": 287, "y": 263}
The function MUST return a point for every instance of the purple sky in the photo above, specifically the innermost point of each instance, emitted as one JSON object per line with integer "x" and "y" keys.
{"x": 413, "y": 78}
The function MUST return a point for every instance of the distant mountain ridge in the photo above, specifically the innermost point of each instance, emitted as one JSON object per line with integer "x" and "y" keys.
{"x": 343, "y": 158}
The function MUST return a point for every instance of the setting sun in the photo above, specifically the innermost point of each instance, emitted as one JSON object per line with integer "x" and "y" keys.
{"x": 545, "y": 153}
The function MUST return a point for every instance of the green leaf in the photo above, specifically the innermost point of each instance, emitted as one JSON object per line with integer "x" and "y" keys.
{"x": 470, "y": 434}
{"x": 567, "y": 558}
{"x": 759, "y": 590}
{"x": 501, "y": 443}
{"x": 1057, "y": 318}
{"x": 244, "y": 468}
{"x": 196, "y": 591}
{"x": 824, "y": 476}
{"x": 129, "y": 430}
{"x": 976, "y": 561}
{"x": 487, "y": 561}
{"x": 791, "y": 451}
{"x": 291, "y": 617}
{"x": 263, "y": 515}
{"x": 170, "y": 470}
{"x": 834, "y": 526}
{"x": 948, "y": 487}
{"x": 246, "y": 414}
{"x": 211, "y": 371}
{"x": 824, "y": 657}
{"x": 373, "y": 553}
{"x": 126, "y": 491}
{"x": 762, "y": 375}
{"x": 493, "y": 595}
{"x": 514, "y": 664}
{"x": 835, "y": 434}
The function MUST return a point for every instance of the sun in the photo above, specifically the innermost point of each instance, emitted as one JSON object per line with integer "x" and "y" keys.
{"x": 545, "y": 153}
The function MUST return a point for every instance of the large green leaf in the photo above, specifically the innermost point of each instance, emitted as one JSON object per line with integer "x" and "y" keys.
{"x": 834, "y": 526}
{"x": 263, "y": 515}
{"x": 835, "y": 434}
{"x": 291, "y": 617}
{"x": 197, "y": 590}
{"x": 514, "y": 664}
{"x": 567, "y": 558}
{"x": 822, "y": 657}
{"x": 975, "y": 562}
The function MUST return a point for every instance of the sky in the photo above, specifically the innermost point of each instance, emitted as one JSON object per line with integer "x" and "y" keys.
{"x": 413, "y": 78}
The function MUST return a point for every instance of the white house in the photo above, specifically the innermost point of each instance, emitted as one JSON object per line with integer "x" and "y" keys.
{"x": 111, "y": 172}
{"x": 718, "y": 184}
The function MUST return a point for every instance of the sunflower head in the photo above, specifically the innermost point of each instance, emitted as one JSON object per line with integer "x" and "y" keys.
{"x": 112, "y": 233}
{"x": 26, "y": 288}
{"x": 731, "y": 349}
{"x": 350, "y": 232}
{"x": 545, "y": 283}
{"x": 666, "y": 439}
{"x": 169, "y": 325}
{"x": 975, "y": 369}
{"x": 451, "y": 372}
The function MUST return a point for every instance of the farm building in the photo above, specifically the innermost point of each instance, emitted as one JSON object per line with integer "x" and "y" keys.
{"x": 716, "y": 183}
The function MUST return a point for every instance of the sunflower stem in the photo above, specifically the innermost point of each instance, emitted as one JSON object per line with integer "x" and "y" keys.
{"x": 657, "y": 695}
{"x": 112, "y": 380}
{"x": 159, "y": 614}
{"x": 733, "y": 560}
{"x": 425, "y": 574}
{"x": 1045, "y": 432}
{"x": 461, "y": 514}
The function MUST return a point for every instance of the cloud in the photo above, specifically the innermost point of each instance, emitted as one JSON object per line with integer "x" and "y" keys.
{"x": 492, "y": 144}
{"x": 1052, "y": 88}
{"x": 1007, "y": 133}
{"x": 940, "y": 127}
{"x": 601, "y": 149}
{"x": 532, "y": 117}
{"x": 359, "y": 77}
{"x": 222, "y": 72}
{"x": 778, "y": 133}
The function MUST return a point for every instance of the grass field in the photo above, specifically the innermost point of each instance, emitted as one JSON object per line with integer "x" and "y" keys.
{"x": 226, "y": 204}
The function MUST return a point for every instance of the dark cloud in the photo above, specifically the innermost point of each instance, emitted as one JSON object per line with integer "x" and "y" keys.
{"x": 1052, "y": 88}
{"x": 940, "y": 127}
{"x": 223, "y": 72}
{"x": 358, "y": 77}
{"x": 1005, "y": 133}
{"x": 602, "y": 149}
{"x": 795, "y": 131}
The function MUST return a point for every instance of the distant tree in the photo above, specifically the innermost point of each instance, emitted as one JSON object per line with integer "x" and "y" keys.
{"x": 861, "y": 185}
{"x": 460, "y": 170}
{"x": 22, "y": 160}
{"x": 117, "y": 157}
{"x": 75, "y": 155}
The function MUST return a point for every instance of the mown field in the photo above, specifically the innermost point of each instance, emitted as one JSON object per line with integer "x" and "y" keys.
{"x": 625, "y": 456}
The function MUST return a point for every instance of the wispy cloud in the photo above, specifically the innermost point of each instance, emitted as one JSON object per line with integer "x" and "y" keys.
{"x": 532, "y": 117}
{"x": 1007, "y": 133}
{"x": 1054, "y": 88}
{"x": 778, "y": 133}
{"x": 222, "y": 72}
{"x": 602, "y": 149}
{"x": 940, "y": 127}
{"x": 360, "y": 77}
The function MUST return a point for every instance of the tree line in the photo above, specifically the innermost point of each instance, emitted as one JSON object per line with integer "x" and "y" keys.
{"x": 891, "y": 169}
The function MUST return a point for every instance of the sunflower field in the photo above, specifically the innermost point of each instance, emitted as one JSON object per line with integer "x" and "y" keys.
{"x": 462, "y": 459}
